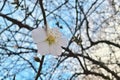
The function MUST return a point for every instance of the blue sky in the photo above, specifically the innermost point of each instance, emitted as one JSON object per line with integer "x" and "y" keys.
{"x": 23, "y": 38}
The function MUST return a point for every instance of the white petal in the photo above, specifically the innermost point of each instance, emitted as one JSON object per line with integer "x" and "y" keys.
{"x": 55, "y": 49}
{"x": 56, "y": 32}
{"x": 55, "y": 29}
{"x": 38, "y": 35}
{"x": 43, "y": 48}
{"x": 60, "y": 38}
{"x": 63, "y": 42}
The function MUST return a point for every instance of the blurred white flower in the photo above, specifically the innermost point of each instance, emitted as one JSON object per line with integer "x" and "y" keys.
{"x": 50, "y": 41}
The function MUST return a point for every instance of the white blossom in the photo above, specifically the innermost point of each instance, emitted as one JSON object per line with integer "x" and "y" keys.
{"x": 50, "y": 41}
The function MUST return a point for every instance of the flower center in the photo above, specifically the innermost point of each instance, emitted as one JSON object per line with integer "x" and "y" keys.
{"x": 50, "y": 39}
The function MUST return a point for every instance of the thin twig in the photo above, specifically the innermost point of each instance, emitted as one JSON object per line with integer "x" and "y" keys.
{"x": 43, "y": 12}
{"x": 40, "y": 67}
{"x": 15, "y": 21}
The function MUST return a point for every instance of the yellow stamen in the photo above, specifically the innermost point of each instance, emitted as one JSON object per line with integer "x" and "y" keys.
{"x": 50, "y": 39}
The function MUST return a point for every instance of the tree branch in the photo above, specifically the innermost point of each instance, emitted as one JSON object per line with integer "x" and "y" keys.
{"x": 43, "y": 12}
{"x": 14, "y": 21}
{"x": 40, "y": 68}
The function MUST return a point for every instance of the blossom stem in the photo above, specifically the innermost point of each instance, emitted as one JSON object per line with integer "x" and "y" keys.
{"x": 44, "y": 15}
{"x": 40, "y": 68}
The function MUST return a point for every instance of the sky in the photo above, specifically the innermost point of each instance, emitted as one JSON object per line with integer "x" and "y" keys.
{"x": 64, "y": 70}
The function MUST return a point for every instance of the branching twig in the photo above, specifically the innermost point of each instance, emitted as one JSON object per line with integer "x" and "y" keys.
{"x": 14, "y": 21}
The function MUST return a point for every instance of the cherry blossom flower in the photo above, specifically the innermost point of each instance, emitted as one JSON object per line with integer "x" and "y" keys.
{"x": 50, "y": 41}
